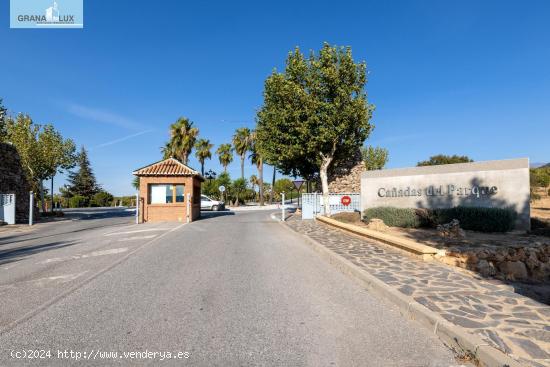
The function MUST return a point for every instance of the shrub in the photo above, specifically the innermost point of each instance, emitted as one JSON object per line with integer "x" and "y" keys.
{"x": 394, "y": 217}
{"x": 471, "y": 218}
{"x": 102, "y": 198}
{"x": 78, "y": 201}
{"x": 478, "y": 218}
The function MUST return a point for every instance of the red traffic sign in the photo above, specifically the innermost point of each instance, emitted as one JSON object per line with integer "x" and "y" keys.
{"x": 346, "y": 200}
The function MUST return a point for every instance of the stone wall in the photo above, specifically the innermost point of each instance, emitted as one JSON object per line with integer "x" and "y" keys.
{"x": 346, "y": 177}
{"x": 520, "y": 262}
{"x": 496, "y": 184}
{"x": 14, "y": 181}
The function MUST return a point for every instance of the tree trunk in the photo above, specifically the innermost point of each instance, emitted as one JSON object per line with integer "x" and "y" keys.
{"x": 202, "y": 169}
{"x": 225, "y": 169}
{"x": 272, "y": 186}
{"x": 327, "y": 160}
{"x": 261, "y": 180}
{"x": 242, "y": 167}
{"x": 51, "y": 193}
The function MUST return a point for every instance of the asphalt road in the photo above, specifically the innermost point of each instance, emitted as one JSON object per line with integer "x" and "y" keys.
{"x": 228, "y": 290}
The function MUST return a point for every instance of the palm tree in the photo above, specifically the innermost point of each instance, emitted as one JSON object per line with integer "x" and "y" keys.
{"x": 225, "y": 155}
{"x": 253, "y": 182}
{"x": 135, "y": 182}
{"x": 182, "y": 139}
{"x": 241, "y": 142}
{"x": 202, "y": 151}
{"x": 256, "y": 159}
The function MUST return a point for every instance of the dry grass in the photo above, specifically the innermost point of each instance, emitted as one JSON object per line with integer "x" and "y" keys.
{"x": 541, "y": 208}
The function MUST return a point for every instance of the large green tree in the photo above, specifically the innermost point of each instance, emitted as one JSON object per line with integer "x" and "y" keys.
{"x": 3, "y": 121}
{"x": 374, "y": 157}
{"x": 258, "y": 160}
{"x": 225, "y": 155}
{"x": 82, "y": 182}
{"x": 315, "y": 114}
{"x": 439, "y": 159}
{"x": 241, "y": 142}
{"x": 57, "y": 154}
{"x": 183, "y": 136}
{"x": 203, "y": 151}
{"x": 22, "y": 132}
{"x": 42, "y": 149}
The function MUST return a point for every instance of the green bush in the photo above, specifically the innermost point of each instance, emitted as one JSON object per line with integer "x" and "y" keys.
{"x": 471, "y": 218}
{"x": 78, "y": 201}
{"x": 394, "y": 217}
{"x": 477, "y": 218}
{"x": 102, "y": 198}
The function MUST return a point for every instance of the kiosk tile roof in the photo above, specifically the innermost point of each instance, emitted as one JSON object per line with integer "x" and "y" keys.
{"x": 167, "y": 167}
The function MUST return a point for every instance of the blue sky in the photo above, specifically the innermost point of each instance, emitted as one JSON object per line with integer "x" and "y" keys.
{"x": 468, "y": 77}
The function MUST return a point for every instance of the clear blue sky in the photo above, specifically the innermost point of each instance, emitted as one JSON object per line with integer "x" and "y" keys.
{"x": 464, "y": 77}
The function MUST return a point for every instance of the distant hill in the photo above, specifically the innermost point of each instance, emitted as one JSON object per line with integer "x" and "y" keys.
{"x": 547, "y": 165}
{"x": 540, "y": 165}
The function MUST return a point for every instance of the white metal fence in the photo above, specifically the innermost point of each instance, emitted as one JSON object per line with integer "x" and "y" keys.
{"x": 312, "y": 204}
{"x": 7, "y": 208}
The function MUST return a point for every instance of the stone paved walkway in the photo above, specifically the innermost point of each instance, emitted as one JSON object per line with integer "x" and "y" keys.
{"x": 510, "y": 322}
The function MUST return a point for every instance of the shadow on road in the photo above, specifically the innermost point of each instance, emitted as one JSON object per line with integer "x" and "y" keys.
{"x": 20, "y": 253}
{"x": 208, "y": 215}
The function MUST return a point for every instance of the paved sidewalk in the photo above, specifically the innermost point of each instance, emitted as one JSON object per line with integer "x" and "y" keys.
{"x": 508, "y": 321}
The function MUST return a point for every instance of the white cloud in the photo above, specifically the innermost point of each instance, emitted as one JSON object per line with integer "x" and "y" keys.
{"x": 116, "y": 141}
{"x": 104, "y": 116}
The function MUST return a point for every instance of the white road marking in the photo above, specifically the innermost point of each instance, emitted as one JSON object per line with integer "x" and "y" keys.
{"x": 81, "y": 284}
{"x": 137, "y": 238}
{"x": 91, "y": 254}
{"x": 64, "y": 278}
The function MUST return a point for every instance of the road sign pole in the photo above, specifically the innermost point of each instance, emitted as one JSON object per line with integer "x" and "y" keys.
{"x": 31, "y": 207}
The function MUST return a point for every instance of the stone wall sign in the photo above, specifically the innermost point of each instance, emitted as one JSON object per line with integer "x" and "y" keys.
{"x": 499, "y": 184}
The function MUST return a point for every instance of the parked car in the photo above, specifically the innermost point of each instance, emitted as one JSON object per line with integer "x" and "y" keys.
{"x": 209, "y": 204}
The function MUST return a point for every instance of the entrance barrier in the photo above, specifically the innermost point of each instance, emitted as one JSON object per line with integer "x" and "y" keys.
{"x": 7, "y": 208}
{"x": 312, "y": 204}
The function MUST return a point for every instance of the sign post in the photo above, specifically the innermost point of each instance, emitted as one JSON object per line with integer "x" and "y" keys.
{"x": 31, "y": 207}
{"x": 298, "y": 185}
{"x": 283, "y": 207}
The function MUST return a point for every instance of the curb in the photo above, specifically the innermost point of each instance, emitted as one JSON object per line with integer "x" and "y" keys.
{"x": 454, "y": 336}
{"x": 413, "y": 247}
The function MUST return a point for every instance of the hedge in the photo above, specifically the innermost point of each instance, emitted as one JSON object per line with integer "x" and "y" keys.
{"x": 471, "y": 218}
{"x": 78, "y": 201}
{"x": 477, "y": 218}
{"x": 394, "y": 217}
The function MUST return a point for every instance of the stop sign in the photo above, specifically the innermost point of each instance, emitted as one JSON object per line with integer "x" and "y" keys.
{"x": 346, "y": 200}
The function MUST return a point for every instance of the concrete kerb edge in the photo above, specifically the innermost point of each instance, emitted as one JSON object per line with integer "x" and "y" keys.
{"x": 452, "y": 335}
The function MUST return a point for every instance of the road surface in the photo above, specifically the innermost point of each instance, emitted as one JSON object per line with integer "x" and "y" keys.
{"x": 233, "y": 289}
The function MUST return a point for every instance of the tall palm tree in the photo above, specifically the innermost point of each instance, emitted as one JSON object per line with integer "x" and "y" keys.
{"x": 225, "y": 155}
{"x": 202, "y": 151}
{"x": 241, "y": 142}
{"x": 256, "y": 159}
{"x": 183, "y": 136}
